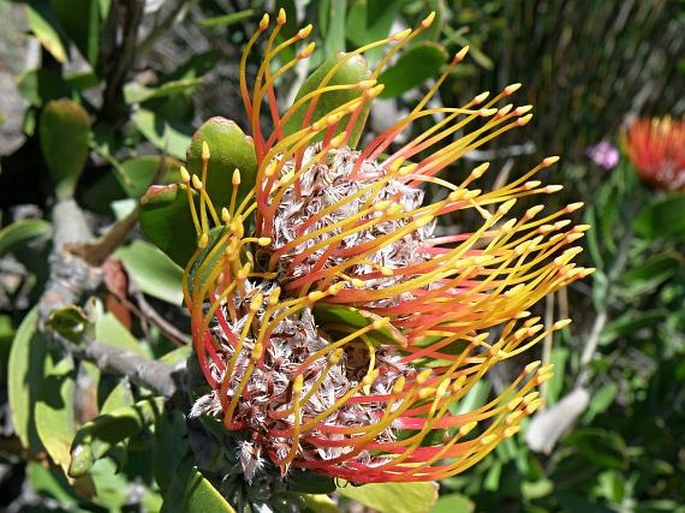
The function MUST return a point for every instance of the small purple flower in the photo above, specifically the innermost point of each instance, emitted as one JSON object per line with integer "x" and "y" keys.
{"x": 603, "y": 154}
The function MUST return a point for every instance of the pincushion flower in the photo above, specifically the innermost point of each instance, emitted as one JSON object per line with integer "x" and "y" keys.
{"x": 656, "y": 148}
{"x": 337, "y": 329}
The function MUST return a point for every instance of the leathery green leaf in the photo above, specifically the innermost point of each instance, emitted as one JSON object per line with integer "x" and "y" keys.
{"x": 165, "y": 219}
{"x": 55, "y": 408}
{"x": 21, "y": 232}
{"x": 101, "y": 434}
{"x": 394, "y": 497}
{"x": 155, "y": 274}
{"x": 416, "y": 65}
{"x": 343, "y": 70}
{"x": 229, "y": 149}
{"x": 25, "y": 371}
{"x": 64, "y": 120}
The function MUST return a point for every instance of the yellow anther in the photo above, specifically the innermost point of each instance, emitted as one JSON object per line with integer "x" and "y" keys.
{"x": 423, "y": 220}
{"x": 264, "y": 241}
{"x": 256, "y": 302}
{"x": 532, "y": 366}
{"x": 458, "y": 383}
{"x": 574, "y": 206}
{"x": 386, "y": 271}
{"x": 511, "y": 431}
{"x": 336, "y": 356}
{"x": 479, "y": 171}
{"x": 274, "y": 296}
{"x": 203, "y": 241}
{"x": 512, "y": 88}
{"x": 370, "y": 378}
{"x": 380, "y": 323}
{"x": 225, "y": 215}
{"x": 422, "y": 377}
{"x": 513, "y": 404}
{"x": 550, "y": 160}
{"x": 281, "y": 19}
{"x": 443, "y": 388}
{"x": 427, "y": 392}
{"x": 523, "y": 109}
{"x": 315, "y": 296}
{"x": 484, "y": 113}
{"x": 298, "y": 384}
{"x": 197, "y": 183}
{"x": 382, "y": 205}
{"x": 550, "y": 189}
{"x": 561, "y": 324}
{"x": 400, "y": 35}
{"x": 235, "y": 179}
{"x": 398, "y": 387}
{"x": 205, "y": 151}
{"x": 185, "y": 176}
{"x": 513, "y": 417}
{"x": 524, "y": 119}
{"x": 467, "y": 428}
{"x": 505, "y": 110}
{"x": 530, "y": 397}
{"x": 489, "y": 439}
{"x": 257, "y": 351}
{"x": 308, "y": 50}
{"x": 533, "y": 211}
{"x": 461, "y": 54}
{"x": 336, "y": 288}
{"x": 305, "y": 31}
{"x": 356, "y": 282}
{"x": 481, "y": 97}
{"x": 264, "y": 22}
{"x": 428, "y": 20}
{"x": 534, "y": 406}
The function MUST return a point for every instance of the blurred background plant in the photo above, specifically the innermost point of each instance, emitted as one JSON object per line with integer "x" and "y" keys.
{"x": 99, "y": 102}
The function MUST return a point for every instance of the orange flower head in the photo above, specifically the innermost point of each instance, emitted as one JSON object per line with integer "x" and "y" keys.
{"x": 338, "y": 326}
{"x": 656, "y": 148}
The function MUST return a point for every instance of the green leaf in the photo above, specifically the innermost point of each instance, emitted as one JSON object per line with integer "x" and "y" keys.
{"x": 101, "y": 434}
{"x": 54, "y": 410}
{"x": 62, "y": 121}
{"x": 137, "y": 93}
{"x": 47, "y": 28}
{"x": 70, "y": 322}
{"x": 229, "y": 149}
{"x": 21, "y": 232}
{"x": 228, "y": 19}
{"x": 170, "y": 136}
{"x": 394, "y": 497}
{"x": 166, "y": 220}
{"x": 631, "y": 322}
{"x": 350, "y": 71}
{"x": 453, "y": 503}
{"x": 413, "y": 68}
{"x": 664, "y": 218}
{"x": 171, "y": 447}
{"x": 110, "y": 331}
{"x": 190, "y": 492}
{"x": 371, "y": 20}
{"x": 651, "y": 273}
{"x": 47, "y": 482}
{"x": 154, "y": 273}
{"x": 327, "y": 316}
{"x": 39, "y": 86}
{"x": 82, "y": 25}
{"x": 603, "y": 448}
{"x": 319, "y": 503}
{"x": 334, "y": 32}
{"x": 7, "y": 334}
{"x": 307, "y": 481}
{"x": 25, "y": 373}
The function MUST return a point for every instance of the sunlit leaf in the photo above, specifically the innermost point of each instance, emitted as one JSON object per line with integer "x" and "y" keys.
{"x": 64, "y": 120}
